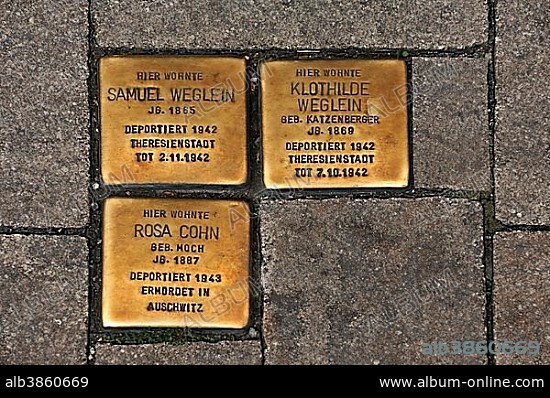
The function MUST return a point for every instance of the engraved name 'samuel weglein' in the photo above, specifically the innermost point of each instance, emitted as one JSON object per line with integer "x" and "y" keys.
{"x": 176, "y": 94}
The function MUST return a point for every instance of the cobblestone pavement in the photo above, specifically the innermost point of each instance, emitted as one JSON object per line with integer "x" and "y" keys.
{"x": 343, "y": 276}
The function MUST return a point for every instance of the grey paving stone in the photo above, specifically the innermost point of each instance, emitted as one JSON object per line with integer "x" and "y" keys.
{"x": 290, "y": 23}
{"x": 43, "y": 305}
{"x": 222, "y": 353}
{"x": 451, "y": 130}
{"x": 522, "y": 142}
{"x": 371, "y": 281}
{"x": 522, "y": 293}
{"x": 43, "y": 113}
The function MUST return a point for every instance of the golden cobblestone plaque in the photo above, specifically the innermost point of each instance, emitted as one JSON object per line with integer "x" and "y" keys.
{"x": 175, "y": 263}
{"x": 173, "y": 119}
{"x": 335, "y": 123}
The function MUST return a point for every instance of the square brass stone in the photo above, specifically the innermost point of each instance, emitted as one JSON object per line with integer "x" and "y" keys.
{"x": 334, "y": 123}
{"x": 173, "y": 119}
{"x": 175, "y": 263}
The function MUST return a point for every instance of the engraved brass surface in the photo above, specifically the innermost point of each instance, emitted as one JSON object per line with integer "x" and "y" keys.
{"x": 175, "y": 263}
{"x": 334, "y": 123}
{"x": 173, "y": 119}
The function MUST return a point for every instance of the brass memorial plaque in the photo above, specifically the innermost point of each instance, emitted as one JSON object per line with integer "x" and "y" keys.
{"x": 173, "y": 119}
{"x": 175, "y": 263}
{"x": 335, "y": 123}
